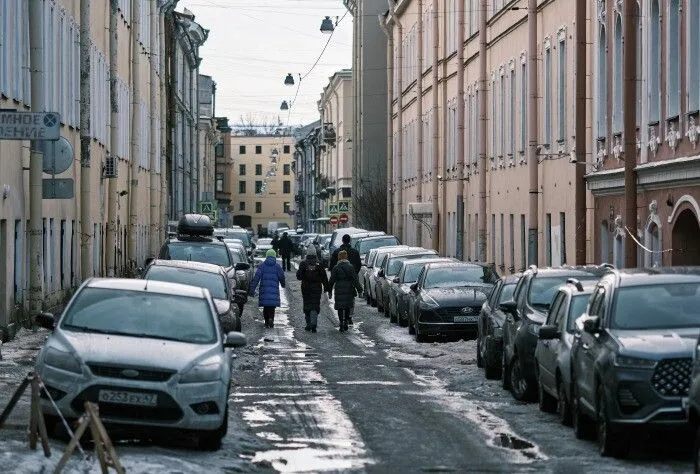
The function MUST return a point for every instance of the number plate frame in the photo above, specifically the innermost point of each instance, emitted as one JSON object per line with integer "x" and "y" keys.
{"x": 122, "y": 397}
{"x": 466, "y": 319}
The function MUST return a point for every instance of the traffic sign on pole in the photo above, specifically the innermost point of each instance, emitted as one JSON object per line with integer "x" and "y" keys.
{"x": 343, "y": 219}
{"x": 344, "y": 206}
{"x": 333, "y": 220}
{"x": 29, "y": 125}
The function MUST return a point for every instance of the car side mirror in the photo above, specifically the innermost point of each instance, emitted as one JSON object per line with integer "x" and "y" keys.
{"x": 396, "y": 280}
{"x": 414, "y": 288}
{"x": 549, "y": 332}
{"x": 242, "y": 266}
{"x": 380, "y": 274}
{"x": 46, "y": 320}
{"x": 591, "y": 325}
{"x": 235, "y": 339}
{"x": 510, "y": 307}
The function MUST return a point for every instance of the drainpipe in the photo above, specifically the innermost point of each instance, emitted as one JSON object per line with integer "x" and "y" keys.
{"x": 153, "y": 152}
{"x": 462, "y": 183}
{"x": 629, "y": 98}
{"x": 36, "y": 56}
{"x": 165, "y": 123}
{"x": 85, "y": 142}
{"x": 419, "y": 113}
{"x": 435, "y": 224}
{"x": 136, "y": 131}
{"x": 533, "y": 133}
{"x": 399, "y": 122}
{"x": 390, "y": 121}
{"x": 580, "y": 135}
{"x": 483, "y": 130}
{"x": 111, "y": 238}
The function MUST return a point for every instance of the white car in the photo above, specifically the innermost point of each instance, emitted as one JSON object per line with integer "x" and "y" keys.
{"x": 149, "y": 353}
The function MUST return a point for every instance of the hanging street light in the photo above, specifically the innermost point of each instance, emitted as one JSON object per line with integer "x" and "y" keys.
{"x": 327, "y": 26}
{"x": 284, "y": 106}
{"x": 289, "y": 80}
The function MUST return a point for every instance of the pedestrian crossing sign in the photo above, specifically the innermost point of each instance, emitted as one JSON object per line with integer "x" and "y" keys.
{"x": 344, "y": 206}
{"x": 332, "y": 209}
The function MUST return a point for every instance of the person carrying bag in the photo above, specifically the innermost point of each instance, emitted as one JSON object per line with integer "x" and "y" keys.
{"x": 314, "y": 282}
{"x": 347, "y": 286}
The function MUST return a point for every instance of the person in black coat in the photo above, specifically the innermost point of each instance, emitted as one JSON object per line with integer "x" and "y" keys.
{"x": 285, "y": 250}
{"x": 353, "y": 255}
{"x": 314, "y": 282}
{"x": 347, "y": 286}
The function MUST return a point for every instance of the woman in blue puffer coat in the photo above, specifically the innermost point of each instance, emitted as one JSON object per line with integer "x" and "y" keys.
{"x": 270, "y": 276}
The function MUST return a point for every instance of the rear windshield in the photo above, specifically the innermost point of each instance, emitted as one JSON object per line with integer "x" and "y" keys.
{"x": 670, "y": 305}
{"x": 364, "y": 246}
{"x": 447, "y": 277}
{"x": 214, "y": 282}
{"x": 197, "y": 252}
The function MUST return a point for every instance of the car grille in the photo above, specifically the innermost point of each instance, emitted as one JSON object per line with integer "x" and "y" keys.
{"x": 451, "y": 312}
{"x": 672, "y": 377}
{"x": 117, "y": 372}
{"x": 167, "y": 408}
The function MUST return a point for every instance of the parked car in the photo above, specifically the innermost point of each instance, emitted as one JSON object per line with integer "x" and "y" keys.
{"x": 179, "y": 378}
{"x": 489, "y": 341}
{"x": 373, "y": 272}
{"x": 388, "y": 271}
{"x": 211, "y": 277}
{"x": 553, "y": 352}
{"x": 261, "y": 247}
{"x": 237, "y": 233}
{"x": 633, "y": 361}
{"x": 525, "y": 313}
{"x": 337, "y": 236}
{"x": 401, "y": 287}
{"x": 366, "y": 243}
{"x": 447, "y": 298}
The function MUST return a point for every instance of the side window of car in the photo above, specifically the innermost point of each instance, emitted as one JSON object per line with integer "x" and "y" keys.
{"x": 518, "y": 289}
{"x": 596, "y": 301}
{"x": 493, "y": 300}
{"x": 421, "y": 277}
{"x": 524, "y": 285}
{"x": 562, "y": 313}
{"x": 554, "y": 310}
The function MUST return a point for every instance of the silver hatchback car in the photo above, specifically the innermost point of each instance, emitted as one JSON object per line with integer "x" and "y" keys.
{"x": 149, "y": 353}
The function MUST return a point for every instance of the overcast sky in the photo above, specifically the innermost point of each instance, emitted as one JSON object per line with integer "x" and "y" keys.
{"x": 252, "y": 46}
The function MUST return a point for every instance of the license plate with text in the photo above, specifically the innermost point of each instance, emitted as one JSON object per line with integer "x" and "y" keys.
{"x": 128, "y": 398}
{"x": 465, "y": 319}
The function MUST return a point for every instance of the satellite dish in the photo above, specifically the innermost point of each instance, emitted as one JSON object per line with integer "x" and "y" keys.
{"x": 58, "y": 155}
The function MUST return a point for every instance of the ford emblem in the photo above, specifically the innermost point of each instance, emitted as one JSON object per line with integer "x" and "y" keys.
{"x": 131, "y": 373}
{"x": 467, "y": 310}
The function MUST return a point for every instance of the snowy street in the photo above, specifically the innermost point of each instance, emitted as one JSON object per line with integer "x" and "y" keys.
{"x": 369, "y": 400}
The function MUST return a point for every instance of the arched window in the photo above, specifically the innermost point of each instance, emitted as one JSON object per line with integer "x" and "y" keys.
{"x": 602, "y": 86}
{"x": 617, "y": 76}
{"x": 673, "y": 84}
{"x": 654, "y": 61}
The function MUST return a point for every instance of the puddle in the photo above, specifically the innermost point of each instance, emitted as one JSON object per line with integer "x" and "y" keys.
{"x": 511, "y": 442}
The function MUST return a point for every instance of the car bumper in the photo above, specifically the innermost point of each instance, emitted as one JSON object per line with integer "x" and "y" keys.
{"x": 173, "y": 408}
{"x": 437, "y": 328}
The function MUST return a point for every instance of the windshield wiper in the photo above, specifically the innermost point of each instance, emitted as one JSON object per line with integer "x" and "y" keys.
{"x": 85, "y": 329}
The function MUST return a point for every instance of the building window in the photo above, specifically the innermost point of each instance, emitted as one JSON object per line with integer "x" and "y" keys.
{"x": 241, "y": 187}
{"x": 258, "y": 170}
{"x": 286, "y": 149}
{"x": 548, "y": 239}
{"x": 285, "y": 207}
{"x": 512, "y": 243}
{"x": 258, "y": 149}
{"x": 493, "y": 238}
{"x": 241, "y": 149}
{"x": 502, "y": 118}
{"x": 512, "y": 119}
{"x": 673, "y": 84}
{"x": 561, "y": 89}
{"x": 220, "y": 182}
{"x": 617, "y": 76}
{"x": 693, "y": 58}
{"x": 655, "y": 61}
{"x": 286, "y": 187}
{"x": 523, "y": 242}
{"x": 503, "y": 243}
{"x": 258, "y": 187}
{"x": 258, "y": 207}
{"x": 241, "y": 206}
{"x": 547, "y": 96}
{"x": 241, "y": 170}
{"x": 602, "y": 80}
{"x": 562, "y": 223}
{"x": 523, "y": 106}
{"x": 286, "y": 169}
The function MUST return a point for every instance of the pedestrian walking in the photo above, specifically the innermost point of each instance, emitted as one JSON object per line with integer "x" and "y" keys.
{"x": 270, "y": 276}
{"x": 314, "y": 282}
{"x": 353, "y": 257}
{"x": 347, "y": 286}
{"x": 285, "y": 248}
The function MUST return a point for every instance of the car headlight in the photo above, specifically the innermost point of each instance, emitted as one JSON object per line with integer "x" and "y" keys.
{"x": 634, "y": 362}
{"x": 62, "y": 360}
{"x": 206, "y": 371}
{"x": 428, "y": 305}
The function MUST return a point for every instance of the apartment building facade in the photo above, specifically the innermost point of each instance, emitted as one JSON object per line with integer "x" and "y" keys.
{"x": 262, "y": 185}
{"x": 306, "y": 202}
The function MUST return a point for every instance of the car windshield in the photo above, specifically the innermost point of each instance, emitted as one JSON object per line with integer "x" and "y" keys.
{"x": 365, "y": 246}
{"x": 198, "y": 252}
{"x": 448, "y": 277}
{"x": 141, "y": 314}
{"x": 576, "y": 309}
{"x": 543, "y": 289}
{"x": 507, "y": 292}
{"x": 394, "y": 265}
{"x": 669, "y": 305}
{"x": 214, "y": 282}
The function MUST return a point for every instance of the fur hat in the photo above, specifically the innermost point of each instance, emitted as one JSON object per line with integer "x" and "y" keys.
{"x": 342, "y": 255}
{"x": 271, "y": 253}
{"x": 311, "y": 252}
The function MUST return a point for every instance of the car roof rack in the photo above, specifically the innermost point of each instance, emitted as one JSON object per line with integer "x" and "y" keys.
{"x": 576, "y": 283}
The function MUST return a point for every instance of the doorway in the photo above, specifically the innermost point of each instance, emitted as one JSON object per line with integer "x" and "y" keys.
{"x": 686, "y": 239}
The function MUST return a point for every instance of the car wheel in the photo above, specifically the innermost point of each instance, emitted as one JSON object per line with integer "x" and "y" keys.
{"x": 491, "y": 360}
{"x": 546, "y": 402}
{"x": 581, "y": 423}
{"x": 479, "y": 360}
{"x": 610, "y": 441}
{"x": 393, "y": 318}
{"x": 563, "y": 405}
{"x": 411, "y": 328}
{"x": 505, "y": 382}
{"x": 519, "y": 386}
{"x": 696, "y": 452}
{"x": 367, "y": 298}
{"x": 210, "y": 440}
{"x": 419, "y": 336}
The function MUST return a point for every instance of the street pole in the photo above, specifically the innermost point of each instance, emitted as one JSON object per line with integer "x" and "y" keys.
{"x": 483, "y": 129}
{"x": 419, "y": 114}
{"x": 581, "y": 141}
{"x": 629, "y": 107}
{"x": 111, "y": 238}
{"x": 154, "y": 152}
{"x": 36, "y": 57}
{"x": 435, "y": 224}
{"x": 533, "y": 131}
{"x": 398, "y": 159}
{"x": 462, "y": 183}
{"x": 86, "y": 231}
{"x": 136, "y": 132}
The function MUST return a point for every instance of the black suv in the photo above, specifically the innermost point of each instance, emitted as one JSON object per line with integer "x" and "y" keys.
{"x": 633, "y": 359}
{"x": 525, "y": 313}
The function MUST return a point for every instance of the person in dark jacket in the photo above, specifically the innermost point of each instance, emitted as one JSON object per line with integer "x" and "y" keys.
{"x": 347, "y": 286}
{"x": 285, "y": 249}
{"x": 270, "y": 276}
{"x": 314, "y": 282}
{"x": 353, "y": 255}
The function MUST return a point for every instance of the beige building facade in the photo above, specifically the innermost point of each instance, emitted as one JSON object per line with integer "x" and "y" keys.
{"x": 262, "y": 182}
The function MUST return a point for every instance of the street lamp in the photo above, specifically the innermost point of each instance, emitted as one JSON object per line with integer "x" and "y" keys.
{"x": 289, "y": 80}
{"x": 327, "y": 26}
{"x": 284, "y": 106}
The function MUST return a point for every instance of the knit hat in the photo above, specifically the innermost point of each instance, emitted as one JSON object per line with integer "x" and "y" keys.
{"x": 311, "y": 252}
{"x": 342, "y": 255}
{"x": 271, "y": 253}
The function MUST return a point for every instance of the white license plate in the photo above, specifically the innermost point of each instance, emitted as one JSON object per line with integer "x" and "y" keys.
{"x": 128, "y": 398}
{"x": 465, "y": 319}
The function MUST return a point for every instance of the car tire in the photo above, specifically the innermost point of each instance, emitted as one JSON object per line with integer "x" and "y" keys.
{"x": 505, "y": 381}
{"x": 611, "y": 442}
{"x": 479, "y": 360}
{"x": 563, "y": 405}
{"x": 519, "y": 386}
{"x": 210, "y": 440}
{"x": 696, "y": 452}
{"x": 419, "y": 336}
{"x": 392, "y": 316}
{"x": 546, "y": 402}
{"x": 411, "y": 328}
{"x": 581, "y": 423}
{"x": 492, "y": 363}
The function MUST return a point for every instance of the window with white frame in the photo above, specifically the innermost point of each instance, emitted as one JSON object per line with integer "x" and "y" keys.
{"x": 472, "y": 16}
{"x": 617, "y": 76}
{"x": 561, "y": 88}
{"x": 512, "y": 109}
{"x": 523, "y": 103}
{"x": 692, "y": 57}
{"x": 602, "y": 84}
{"x": 5, "y": 51}
{"x": 475, "y": 127}
{"x": 452, "y": 134}
{"x": 654, "y": 62}
{"x": 673, "y": 84}
{"x": 451, "y": 26}
{"x": 547, "y": 72}
{"x": 502, "y": 117}
{"x": 494, "y": 109}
